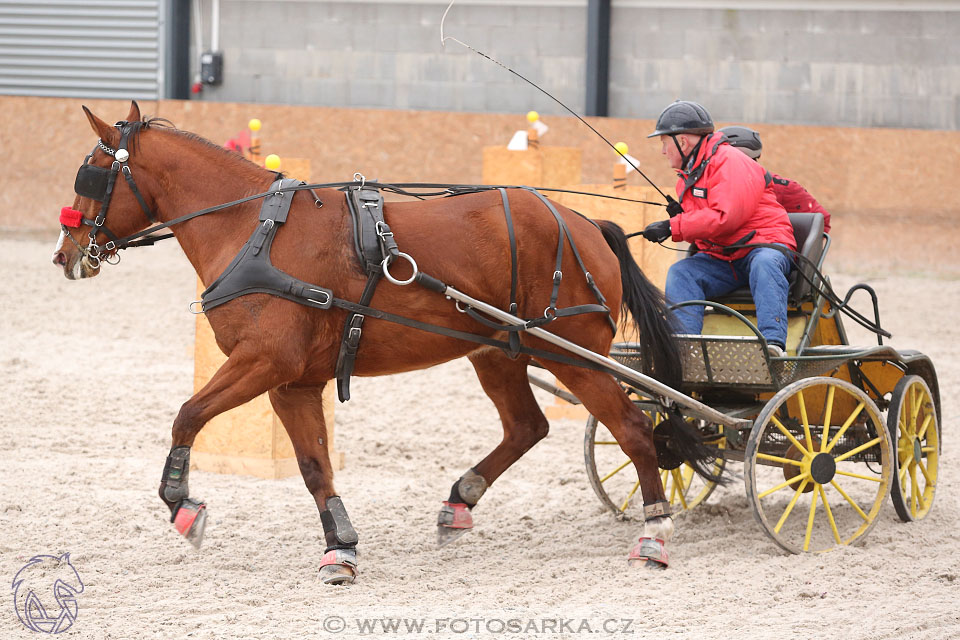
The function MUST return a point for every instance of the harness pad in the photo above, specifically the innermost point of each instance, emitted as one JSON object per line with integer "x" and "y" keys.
{"x": 252, "y": 272}
{"x": 372, "y": 237}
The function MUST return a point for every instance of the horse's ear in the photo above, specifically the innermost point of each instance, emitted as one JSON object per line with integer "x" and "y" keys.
{"x": 134, "y": 115}
{"x": 110, "y": 135}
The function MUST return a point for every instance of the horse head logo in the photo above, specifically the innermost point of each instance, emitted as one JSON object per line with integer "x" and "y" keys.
{"x": 39, "y": 584}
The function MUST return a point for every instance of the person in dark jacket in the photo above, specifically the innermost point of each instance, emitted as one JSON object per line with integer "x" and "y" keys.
{"x": 790, "y": 193}
{"x": 723, "y": 199}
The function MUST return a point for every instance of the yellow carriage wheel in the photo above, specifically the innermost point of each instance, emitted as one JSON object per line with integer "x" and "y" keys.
{"x": 614, "y": 478}
{"x": 912, "y": 419}
{"x": 818, "y": 465}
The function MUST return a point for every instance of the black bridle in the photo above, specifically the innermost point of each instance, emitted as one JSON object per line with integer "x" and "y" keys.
{"x": 97, "y": 183}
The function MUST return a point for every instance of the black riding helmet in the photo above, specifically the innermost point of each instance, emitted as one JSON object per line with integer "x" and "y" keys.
{"x": 684, "y": 116}
{"x": 745, "y": 139}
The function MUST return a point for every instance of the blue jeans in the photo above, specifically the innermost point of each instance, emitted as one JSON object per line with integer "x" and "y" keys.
{"x": 702, "y": 277}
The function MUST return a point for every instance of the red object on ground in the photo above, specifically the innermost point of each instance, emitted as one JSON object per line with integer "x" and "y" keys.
{"x": 70, "y": 217}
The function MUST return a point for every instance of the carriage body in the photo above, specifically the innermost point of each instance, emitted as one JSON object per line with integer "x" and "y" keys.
{"x": 829, "y": 429}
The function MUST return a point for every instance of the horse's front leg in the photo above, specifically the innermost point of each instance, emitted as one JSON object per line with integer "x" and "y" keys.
{"x": 243, "y": 377}
{"x": 300, "y": 408}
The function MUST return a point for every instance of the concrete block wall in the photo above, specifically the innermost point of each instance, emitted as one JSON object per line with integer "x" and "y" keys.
{"x": 388, "y": 55}
{"x": 864, "y": 67}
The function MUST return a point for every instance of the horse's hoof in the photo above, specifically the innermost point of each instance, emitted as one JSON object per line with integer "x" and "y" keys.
{"x": 454, "y": 521}
{"x": 339, "y": 566}
{"x": 649, "y": 553}
{"x": 190, "y": 520}
{"x": 446, "y": 535}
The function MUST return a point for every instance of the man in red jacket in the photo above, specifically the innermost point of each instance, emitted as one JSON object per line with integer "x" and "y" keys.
{"x": 790, "y": 193}
{"x": 726, "y": 201}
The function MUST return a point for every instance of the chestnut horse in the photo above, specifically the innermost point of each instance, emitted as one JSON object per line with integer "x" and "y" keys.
{"x": 288, "y": 350}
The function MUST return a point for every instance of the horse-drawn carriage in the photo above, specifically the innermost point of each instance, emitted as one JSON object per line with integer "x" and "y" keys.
{"x": 507, "y": 278}
{"x": 825, "y": 432}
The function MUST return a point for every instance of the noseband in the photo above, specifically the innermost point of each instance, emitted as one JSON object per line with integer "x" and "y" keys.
{"x": 97, "y": 183}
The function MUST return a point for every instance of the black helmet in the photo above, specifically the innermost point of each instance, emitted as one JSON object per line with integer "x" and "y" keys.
{"x": 745, "y": 139}
{"x": 683, "y": 116}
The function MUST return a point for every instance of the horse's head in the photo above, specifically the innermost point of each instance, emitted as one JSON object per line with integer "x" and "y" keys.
{"x": 113, "y": 199}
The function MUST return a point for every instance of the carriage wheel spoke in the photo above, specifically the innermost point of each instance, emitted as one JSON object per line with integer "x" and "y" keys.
{"x": 926, "y": 474}
{"x": 626, "y": 502}
{"x": 858, "y": 476}
{"x": 846, "y": 425}
{"x": 803, "y": 417}
{"x": 922, "y": 432}
{"x": 856, "y": 507}
{"x": 915, "y": 407}
{"x": 678, "y": 481}
{"x": 826, "y": 507}
{"x": 914, "y": 490}
{"x": 802, "y": 476}
{"x": 853, "y": 452}
{"x": 673, "y": 488}
{"x": 767, "y": 456}
{"x": 793, "y": 501}
{"x": 615, "y": 471}
{"x": 789, "y": 436}
{"x": 902, "y": 476}
{"x": 828, "y": 414}
{"x": 810, "y": 518}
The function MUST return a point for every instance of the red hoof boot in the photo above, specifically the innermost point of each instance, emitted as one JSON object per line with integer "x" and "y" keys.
{"x": 191, "y": 520}
{"x": 650, "y": 553}
{"x": 454, "y": 521}
{"x": 339, "y": 566}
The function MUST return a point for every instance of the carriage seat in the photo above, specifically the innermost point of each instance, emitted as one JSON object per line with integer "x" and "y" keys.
{"x": 808, "y": 234}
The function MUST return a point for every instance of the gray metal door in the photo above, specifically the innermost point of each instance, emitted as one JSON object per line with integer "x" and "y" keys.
{"x": 80, "y": 48}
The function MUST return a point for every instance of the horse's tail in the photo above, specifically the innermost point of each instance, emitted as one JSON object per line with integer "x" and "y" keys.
{"x": 658, "y": 351}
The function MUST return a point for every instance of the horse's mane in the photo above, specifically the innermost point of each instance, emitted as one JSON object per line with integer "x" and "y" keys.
{"x": 242, "y": 163}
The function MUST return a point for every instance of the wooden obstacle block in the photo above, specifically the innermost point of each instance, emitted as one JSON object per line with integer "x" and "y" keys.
{"x": 250, "y": 439}
{"x": 654, "y": 260}
{"x": 541, "y": 167}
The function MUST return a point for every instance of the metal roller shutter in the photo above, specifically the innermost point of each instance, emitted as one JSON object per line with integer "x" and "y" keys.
{"x": 80, "y": 48}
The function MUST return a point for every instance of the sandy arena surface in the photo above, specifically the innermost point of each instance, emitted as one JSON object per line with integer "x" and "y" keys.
{"x": 94, "y": 372}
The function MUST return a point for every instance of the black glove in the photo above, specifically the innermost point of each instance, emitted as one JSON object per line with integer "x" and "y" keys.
{"x": 673, "y": 207}
{"x": 657, "y": 231}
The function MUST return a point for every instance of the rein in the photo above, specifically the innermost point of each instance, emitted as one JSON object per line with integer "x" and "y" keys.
{"x": 447, "y": 190}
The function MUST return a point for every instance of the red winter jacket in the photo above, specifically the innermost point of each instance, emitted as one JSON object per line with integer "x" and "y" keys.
{"x": 794, "y": 197}
{"x": 727, "y": 202}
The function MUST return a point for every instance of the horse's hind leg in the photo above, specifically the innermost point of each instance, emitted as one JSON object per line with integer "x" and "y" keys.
{"x": 505, "y": 381}
{"x": 633, "y": 431}
{"x": 300, "y": 408}
{"x": 242, "y": 378}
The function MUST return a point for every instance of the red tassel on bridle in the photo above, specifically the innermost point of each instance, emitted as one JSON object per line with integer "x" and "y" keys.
{"x": 70, "y": 217}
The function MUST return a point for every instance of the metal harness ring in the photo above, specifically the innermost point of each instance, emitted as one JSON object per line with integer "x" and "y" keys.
{"x": 386, "y": 269}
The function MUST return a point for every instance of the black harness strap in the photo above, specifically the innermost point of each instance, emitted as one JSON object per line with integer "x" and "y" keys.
{"x": 374, "y": 243}
{"x": 462, "y": 335}
{"x": 552, "y": 312}
{"x": 513, "y": 337}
